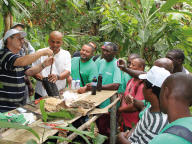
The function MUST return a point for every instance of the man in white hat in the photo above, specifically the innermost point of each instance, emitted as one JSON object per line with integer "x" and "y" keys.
{"x": 13, "y": 68}
{"x": 26, "y": 49}
{"x": 153, "y": 120}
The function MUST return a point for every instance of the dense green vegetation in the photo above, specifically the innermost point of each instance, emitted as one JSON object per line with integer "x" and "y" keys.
{"x": 147, "y": 27}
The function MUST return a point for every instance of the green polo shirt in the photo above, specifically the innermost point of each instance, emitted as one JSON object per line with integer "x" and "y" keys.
{"x": 87, "y": 69}
{"x": 111, "y": 74}
{"x": 166, "y": 138}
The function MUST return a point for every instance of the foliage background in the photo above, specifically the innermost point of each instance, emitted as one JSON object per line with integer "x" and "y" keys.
{"x": 145, "y": 27}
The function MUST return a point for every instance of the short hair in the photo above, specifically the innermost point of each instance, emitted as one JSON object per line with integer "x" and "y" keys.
{"x": 5, "y": 42}
{"x": 134, "y": 55}
{"x": 179, "y": 54}
{"x": 114, "y": 46}
{"x": 156, "y": 90}
{"x": 94, "y": 44}
{"x": 92, "y": 48}
{"x": 141, "y": 61}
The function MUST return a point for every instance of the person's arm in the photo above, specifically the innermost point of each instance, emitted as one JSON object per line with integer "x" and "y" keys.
{"x": 113, "y": 86}
{"x": 137, "y": 103}
{"x": 29, "y": 84}
{"x": 53, "y": 77}
{"x": 127, "y": 109}
{"x": 122, "y": 138}
{"x": 133, "y": 73}
{"x": 38, "y": 77}
{"x": 28, "y": 59}
{"x": 34, "y": 70}
{"x": 66, "y": 68}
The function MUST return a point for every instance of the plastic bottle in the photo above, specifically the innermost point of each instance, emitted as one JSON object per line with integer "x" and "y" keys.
{"x": 99, "y": 85}
{"x": 94, "y": 85}
{"x": 73, "y": 83}
{"x": 77, "y": 83}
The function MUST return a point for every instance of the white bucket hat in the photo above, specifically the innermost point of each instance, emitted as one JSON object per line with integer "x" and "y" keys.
{"x": 14, "y": 31}
{"x": 156, "y": 75}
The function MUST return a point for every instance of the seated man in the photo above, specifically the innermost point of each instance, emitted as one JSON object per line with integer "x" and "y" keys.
{"x": 152, "y": 121}
{"x": 134, "y": 88}
{"x": 175, "y": 99}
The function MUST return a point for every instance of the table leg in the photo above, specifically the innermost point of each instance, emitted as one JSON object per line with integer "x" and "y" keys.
{"x": 113, "y": 121}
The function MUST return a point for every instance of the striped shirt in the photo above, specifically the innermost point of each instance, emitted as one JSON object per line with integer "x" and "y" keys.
{"x": 149, "y": 126}
{"x": 12, "y": 79}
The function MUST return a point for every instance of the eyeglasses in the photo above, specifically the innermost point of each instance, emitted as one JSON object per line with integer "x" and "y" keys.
{"x": 19, "y": 38}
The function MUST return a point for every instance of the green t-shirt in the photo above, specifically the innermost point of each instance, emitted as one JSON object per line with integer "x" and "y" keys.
{"x": 88, "y": 70}
{"x": 166, "y": 138}
{"x": 111, "y": 74}
{"x": 125, "y": 78}
{"x": 97, "y": 61}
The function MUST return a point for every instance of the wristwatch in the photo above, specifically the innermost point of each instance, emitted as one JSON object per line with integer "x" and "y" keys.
{"x": 58, "y": 77}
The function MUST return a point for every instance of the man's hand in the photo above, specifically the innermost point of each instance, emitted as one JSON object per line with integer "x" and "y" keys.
{"x": 52, "y": 78}
{"x": 120, "y": 95}
{"x": 47, "y": 52}
{"x": 69, "y": 80}
{"x": 122, "y": 137}
{"x": 82, "y": 90}
{"x": 31, "y": 90}
{"x": 49, "y": 61}
{"x": 129, "y": 99}
{"x": 89, "y": 86}
{"x": 122, "y": 65}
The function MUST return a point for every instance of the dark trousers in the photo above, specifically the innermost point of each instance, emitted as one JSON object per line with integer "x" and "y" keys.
{"x": 103, "y": 124}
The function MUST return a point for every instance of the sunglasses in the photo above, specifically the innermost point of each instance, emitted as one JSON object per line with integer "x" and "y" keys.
{"x": 19, "y": 38}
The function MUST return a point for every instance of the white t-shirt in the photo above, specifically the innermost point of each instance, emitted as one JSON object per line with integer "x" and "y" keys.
{"x": 62, "y": 63}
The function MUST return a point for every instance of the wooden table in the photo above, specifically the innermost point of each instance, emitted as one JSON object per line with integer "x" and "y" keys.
{"x": 22, "y": 136}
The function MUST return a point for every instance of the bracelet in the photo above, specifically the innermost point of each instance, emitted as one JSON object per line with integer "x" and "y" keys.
{"x": 42, "y": 65}
{"x": 58, "y": 77}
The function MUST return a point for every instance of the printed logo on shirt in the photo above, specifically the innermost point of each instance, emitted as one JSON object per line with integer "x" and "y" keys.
{"x": 108, "y": 73}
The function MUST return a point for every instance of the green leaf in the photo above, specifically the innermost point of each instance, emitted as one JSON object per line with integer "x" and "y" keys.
{"x": 6, "y": 2}
{"x": 105, "y": 27}
{"x": 189, "y": 68}
{"x": 99, "y": 139}
{"x": 43, "y": 113}
{"x": 59, "y": 138}
{"x": 31, "y": 142}
{"x": 187, "y": 31}
{"x": 168, "y": 5}
{"x": 169, "y": 43}
{"x": 1, "y": 85}
{"x": 61, "y": 114}
{"x": 135, "y": 4}
{"x": 46, "y": 38}
{"x": 17, "y": 126}
{"x": 92, "y": 127}
{"x": 144, "y": 35}
{"x": 53, "y": 25}
{"x": 181, "y": 12}
{"x": 147, "y": 4}
{"x": 28, "y": 3}
{"x": 5, "y": 8}
{"x": 1, "y": 22}
{"x": 71, "y": 128}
